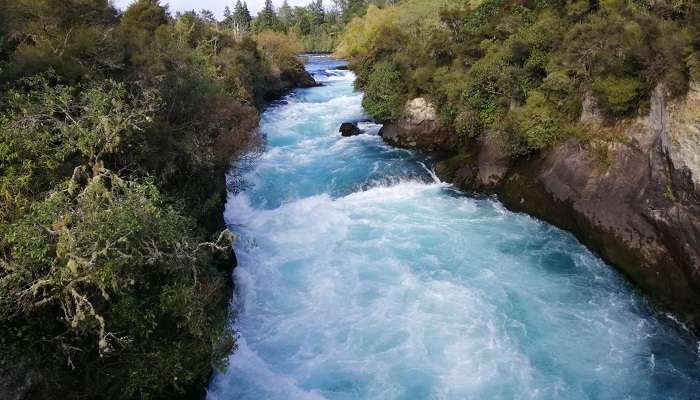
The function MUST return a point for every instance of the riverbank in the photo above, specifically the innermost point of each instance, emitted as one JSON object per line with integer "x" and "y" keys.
{"x": 561, "y": 114}
{"x": 115, "y": 262}
{"x": 638, "y": 207}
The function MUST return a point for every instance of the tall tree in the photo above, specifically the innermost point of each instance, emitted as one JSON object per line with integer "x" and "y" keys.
{"x": 240, "y": 19}
{"x": 246, "y": 17}
{"x": 267, "y": 18}
{"x": 317, "y": 11}
{"x": 285, "y": 14}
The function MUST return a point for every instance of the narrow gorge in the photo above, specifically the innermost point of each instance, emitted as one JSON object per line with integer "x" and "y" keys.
{"x": 362, "y": 275}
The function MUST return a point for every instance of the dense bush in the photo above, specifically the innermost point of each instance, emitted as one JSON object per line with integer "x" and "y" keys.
{"x": 385, "y": 92}
{"x": 520, "y": 69}
{"x": 538, "y": 124}
{"x": 115, "y": 134}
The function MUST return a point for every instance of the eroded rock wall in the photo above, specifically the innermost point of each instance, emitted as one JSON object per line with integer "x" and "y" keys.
{"x": 640, "y": 210}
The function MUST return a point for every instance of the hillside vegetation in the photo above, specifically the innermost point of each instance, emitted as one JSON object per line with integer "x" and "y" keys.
{"x": 318, "y": 25}
{"x": 520, "y": 71}
{"x": 115, "y": 134}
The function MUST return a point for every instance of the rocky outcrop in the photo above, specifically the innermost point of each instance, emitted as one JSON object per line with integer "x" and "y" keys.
{"x": 419, "y": 128}
{"x": 349, "y": 129}
{"x": 288, "y": 81}
{"x": 639, "y": 208}
{"x": 481, "y": 166}
{"x": 683, "y": 134}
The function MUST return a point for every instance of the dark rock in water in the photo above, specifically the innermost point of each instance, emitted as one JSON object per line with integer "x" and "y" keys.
{"x": 305, "y": 80}
{"x": 289, "y": 82}
{"x": 349, "y": 129}
{"x": 342, "y": 68}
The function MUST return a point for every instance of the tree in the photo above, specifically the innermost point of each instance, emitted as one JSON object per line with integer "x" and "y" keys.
{"x": 285, "y": 14}
{"x": 267, "y": 19}
{"x": 351, "y": 8}
{"x": 317, "y": 11}
{"x": 207, "y": 16}
{"x": 247, "y": 18}
{"x": 240, "y": 20}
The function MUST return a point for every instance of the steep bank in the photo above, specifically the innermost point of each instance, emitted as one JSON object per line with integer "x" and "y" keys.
{"x": 23, "y": 375}
{"x": 637, "y": 204}
{"x": 115, "y": 262}
{"x": 583, "y": 113}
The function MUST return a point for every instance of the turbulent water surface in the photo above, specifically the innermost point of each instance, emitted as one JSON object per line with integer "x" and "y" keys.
{"x": 363, "y": 277}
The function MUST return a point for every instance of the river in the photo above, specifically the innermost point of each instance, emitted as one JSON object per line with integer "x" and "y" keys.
{"x": 362, "y": 276}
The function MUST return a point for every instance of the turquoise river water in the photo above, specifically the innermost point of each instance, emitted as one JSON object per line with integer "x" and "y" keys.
{"x": 363, "y": 277}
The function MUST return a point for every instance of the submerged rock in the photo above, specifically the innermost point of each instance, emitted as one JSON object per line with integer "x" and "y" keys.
{"x": 349, "y": 129}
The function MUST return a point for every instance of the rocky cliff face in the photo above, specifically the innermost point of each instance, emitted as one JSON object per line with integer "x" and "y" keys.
{"x": 640, "y": 209}
{"x": 419, "y": 129}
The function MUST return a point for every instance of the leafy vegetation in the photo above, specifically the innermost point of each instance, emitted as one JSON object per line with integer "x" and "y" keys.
{"x": 520, "y": 70}
{"x": 318, "y": 26}
{"x": 115, "y": 134}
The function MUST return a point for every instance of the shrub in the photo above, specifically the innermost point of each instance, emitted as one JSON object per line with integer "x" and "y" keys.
{"x": 384, "y": 92}
{"x": 537, "y": 125}
{"x": 479, "y": 61}
{"x": 468, "y": 124}
{"x": 361, "y": 33}
{"x": 125, "y": 277}
{"x": 115, "y": 284}
{"x": 618, "y": 95}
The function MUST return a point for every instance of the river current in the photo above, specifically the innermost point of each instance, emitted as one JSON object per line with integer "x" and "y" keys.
{"x": 362, "y": 276}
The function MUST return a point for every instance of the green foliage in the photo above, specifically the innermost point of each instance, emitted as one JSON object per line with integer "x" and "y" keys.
{"x": 617, "y": 95}
{"x": 518, "y": 69}
{"x": 240, "y": 20}
{"x": 317, "y": 26}
{"x": 115, "y": 135}
{"x": 361, "y": 35}
{"x": 267, "y": 19}
{"x": 125, "y": 276}
{"x": 50, "y": 128}
{"x": 537, "y": 125}
{"x": 384, "y": 92}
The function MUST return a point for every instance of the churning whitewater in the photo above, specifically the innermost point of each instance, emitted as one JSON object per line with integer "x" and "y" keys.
{"x": 363, "y": 277}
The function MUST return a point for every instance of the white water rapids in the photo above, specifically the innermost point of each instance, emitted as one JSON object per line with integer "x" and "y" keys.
{"x": 361, "y": 277}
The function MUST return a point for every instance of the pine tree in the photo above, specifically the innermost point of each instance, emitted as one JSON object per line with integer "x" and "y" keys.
{"x": 240, "y": 19}
{"x": 267, "y": 18}
{"x": 317, "y": 11}
{"x": 247, "y": 18}
{"x": 285, "y": 14}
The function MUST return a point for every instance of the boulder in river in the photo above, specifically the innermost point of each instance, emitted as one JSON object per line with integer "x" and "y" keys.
{"x": 349, "y": 129}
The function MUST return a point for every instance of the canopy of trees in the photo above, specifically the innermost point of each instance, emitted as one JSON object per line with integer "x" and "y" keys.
{"x": 318, "y": 25}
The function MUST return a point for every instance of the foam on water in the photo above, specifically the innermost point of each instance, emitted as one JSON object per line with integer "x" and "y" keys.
{"x": 361, "y": 277}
